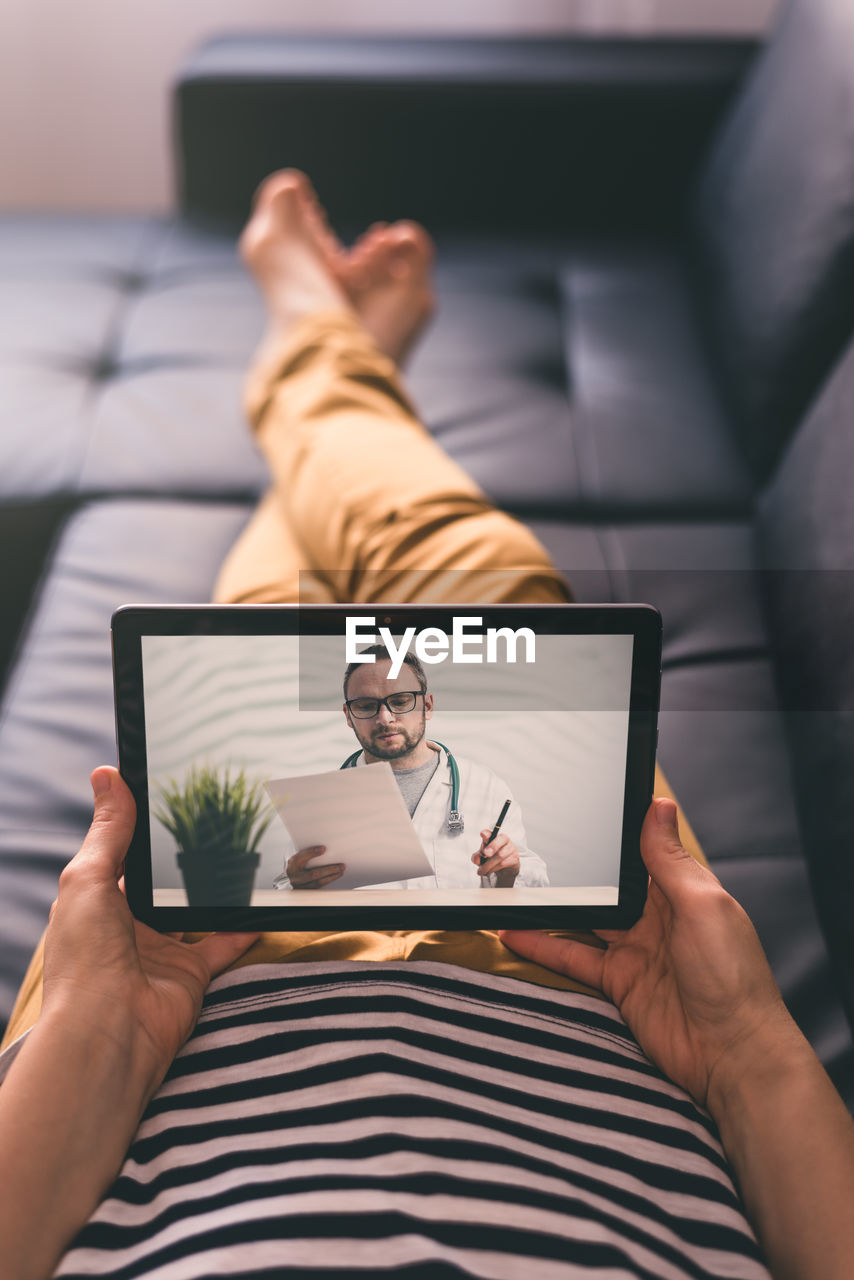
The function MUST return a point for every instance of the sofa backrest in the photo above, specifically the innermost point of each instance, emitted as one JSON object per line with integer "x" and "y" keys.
{"x": 805, "y": 528}
{"x": 774, "y": 225}
{"x": 480, "y": 135}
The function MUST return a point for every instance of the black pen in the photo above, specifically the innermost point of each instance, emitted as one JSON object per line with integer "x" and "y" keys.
{"x": 495, "y": 830}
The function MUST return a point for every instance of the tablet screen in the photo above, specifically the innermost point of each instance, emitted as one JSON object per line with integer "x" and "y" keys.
{"x": 360, "y": 762}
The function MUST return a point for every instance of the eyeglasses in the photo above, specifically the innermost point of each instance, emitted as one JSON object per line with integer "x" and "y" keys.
{"x": 398, "y": 704}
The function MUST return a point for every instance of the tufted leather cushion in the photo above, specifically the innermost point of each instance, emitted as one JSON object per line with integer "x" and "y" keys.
{"x": 775, "y": 225}
{"x": 584, "y": 367}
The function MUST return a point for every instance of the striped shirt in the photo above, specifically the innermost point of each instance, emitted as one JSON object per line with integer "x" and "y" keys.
{"x": 349, "y": 1119}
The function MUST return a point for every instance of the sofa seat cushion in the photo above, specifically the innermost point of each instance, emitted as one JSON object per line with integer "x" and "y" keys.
{"x": 56, "y": 720}
{"x": 561, "y": 378}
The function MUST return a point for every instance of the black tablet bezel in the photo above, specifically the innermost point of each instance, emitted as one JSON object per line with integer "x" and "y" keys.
{"x": 131, "y": 622}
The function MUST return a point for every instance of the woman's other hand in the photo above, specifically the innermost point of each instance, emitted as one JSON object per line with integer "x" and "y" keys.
{"x": 99, "y": 959}
{"x": 690, "y": 978}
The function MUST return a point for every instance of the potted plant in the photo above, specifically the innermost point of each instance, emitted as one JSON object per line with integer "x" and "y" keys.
{"x": 217, "y": 822}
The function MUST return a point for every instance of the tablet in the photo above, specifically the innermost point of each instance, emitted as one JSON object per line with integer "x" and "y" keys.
{"x": 328, "y": 768}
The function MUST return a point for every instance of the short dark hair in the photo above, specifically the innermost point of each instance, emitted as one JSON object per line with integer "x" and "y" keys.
{"x": 381, "y": 652}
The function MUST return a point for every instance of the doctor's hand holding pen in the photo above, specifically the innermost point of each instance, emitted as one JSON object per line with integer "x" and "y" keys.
{"x": 302, "y": 876}
{"x": 497, "y": 853}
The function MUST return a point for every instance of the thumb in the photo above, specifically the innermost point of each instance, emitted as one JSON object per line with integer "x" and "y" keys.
{"x": 665, "y": 858}
{"x": 103, "y": 851}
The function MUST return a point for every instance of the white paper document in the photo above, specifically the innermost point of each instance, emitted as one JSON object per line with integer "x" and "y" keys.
{"x": 361, "y": 818}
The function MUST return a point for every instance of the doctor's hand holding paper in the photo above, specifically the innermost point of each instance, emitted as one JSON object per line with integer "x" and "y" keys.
{"x": 304, "y": 876}
{"x": 388, "y": 716}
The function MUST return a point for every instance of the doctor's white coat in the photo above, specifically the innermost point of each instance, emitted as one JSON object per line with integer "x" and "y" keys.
{"x": 481, "y": 799}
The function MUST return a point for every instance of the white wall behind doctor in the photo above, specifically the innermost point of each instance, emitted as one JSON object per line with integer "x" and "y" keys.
{"x": 84, "y": 86}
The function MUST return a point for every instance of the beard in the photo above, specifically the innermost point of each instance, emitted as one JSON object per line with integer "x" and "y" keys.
{"x": 408, "y": 741}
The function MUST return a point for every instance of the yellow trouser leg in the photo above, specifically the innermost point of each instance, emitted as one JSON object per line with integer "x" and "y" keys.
{"x": 363, "y": 500}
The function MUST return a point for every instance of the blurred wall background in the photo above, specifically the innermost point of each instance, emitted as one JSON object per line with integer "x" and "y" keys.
{"x": 84, "y": 87}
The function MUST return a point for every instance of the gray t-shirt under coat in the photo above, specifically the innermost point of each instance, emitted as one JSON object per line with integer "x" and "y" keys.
{"x": 413, "y": 782}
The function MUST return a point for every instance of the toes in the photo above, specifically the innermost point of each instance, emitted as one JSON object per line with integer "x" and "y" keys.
{"x": 407, "y": 252}
{"x": 286, "y": 202}
{"x": 384, "y": 255}
{"x": 316, "y": 217}
{"x": 283, "y": 186}
{"x": 373, "y": 232}
{"x": 277, "y": 210}
{"x": 411, "y": 241}
{"x": 368, "y": 241}
{"x": 362, "y": 265}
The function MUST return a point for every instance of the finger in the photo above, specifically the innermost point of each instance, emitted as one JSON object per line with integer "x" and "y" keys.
{"x": 506, "y": 857}
{"x": 489, "y": 868}
{"x": 319, "y": 883}
{"x": 564, "y": 955}
{"x": 669, "y": 864}
{"x": 219, "y": 950}
{"x": 103, "y": 851}
{"x": 308, "y": 879}
{"x": 299, "y": 860}
{"x": 324, "y": 881}
{"x": 490, "y": 850}
{"x": 497, "y": 845}
{"x": 332, "y": 872}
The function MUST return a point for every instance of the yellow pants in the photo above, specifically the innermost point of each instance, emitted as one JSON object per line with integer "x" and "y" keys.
{"x": 365, "y": 506}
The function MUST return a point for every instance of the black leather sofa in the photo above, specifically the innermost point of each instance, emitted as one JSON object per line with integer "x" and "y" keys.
{"x": 645, "y": 348}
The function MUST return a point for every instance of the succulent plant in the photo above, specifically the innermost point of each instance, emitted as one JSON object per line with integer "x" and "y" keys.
{"x": 213, "y": 814}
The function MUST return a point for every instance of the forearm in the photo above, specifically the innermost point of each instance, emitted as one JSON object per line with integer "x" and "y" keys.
{"x": 68, "y": 1111}
{"x": 790, "y": 1141}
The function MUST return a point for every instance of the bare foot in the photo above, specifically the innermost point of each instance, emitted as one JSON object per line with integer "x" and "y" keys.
{"x": 387, "y": 276}
{"x": 301, "y": 267}
{"x": 289, "y": 248}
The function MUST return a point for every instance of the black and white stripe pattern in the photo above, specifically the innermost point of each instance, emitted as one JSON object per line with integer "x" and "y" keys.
{"x": 349, "y": 1119}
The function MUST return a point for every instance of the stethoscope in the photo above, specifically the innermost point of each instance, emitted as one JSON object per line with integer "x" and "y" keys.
{"x": 455, "y": 818}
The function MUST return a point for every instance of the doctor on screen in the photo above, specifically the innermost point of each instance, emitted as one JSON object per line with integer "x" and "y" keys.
{"x": 453, "y": 803}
